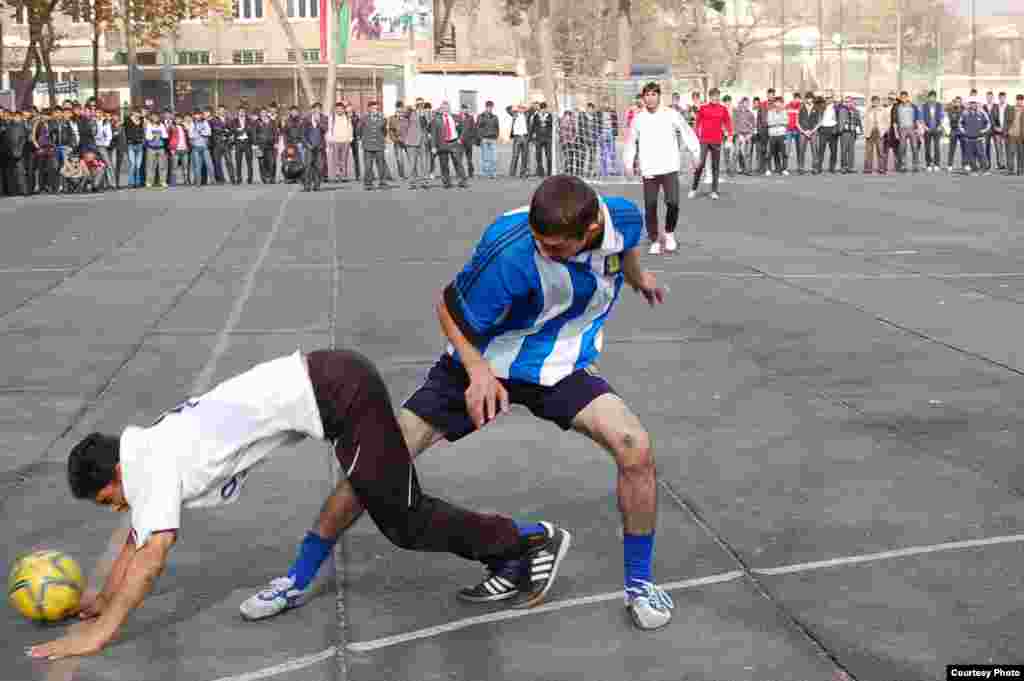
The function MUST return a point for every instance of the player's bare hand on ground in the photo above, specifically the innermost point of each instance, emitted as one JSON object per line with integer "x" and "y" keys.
{"x": 649, "y": 289}
{"x": 486, "y": 397}
{"x": 92, "y": 605}
{"x": 83, "y": 639}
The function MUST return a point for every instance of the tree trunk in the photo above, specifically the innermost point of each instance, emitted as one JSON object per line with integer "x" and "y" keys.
{"x": 625, "y": 33}
{"x": 547, "y": 52}
{"x": 129, "y": 42}
{"x": 441, "y": 27}
{"x": 293, "y": 42}
{"x": 330, "y": 87}
{"x": 46, "y": 49}
{"x": 96, "y": 59}
{"x": 2, "y": 55}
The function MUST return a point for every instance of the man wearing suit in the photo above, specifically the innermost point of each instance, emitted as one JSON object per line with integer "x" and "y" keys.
{"x": 541, "y": 126}
{"x": 445, "y": 132}
{"x": 931, "y": 120}
{"x": 241, "y": 127}
{"x": 469, "y": 136}
{"x": 1015, "y": 138}
{"x": 373, "y": 132}
{"x": 998, "y": 115}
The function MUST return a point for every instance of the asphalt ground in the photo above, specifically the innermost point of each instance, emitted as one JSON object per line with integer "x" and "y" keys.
{"x": 833, "y": 389}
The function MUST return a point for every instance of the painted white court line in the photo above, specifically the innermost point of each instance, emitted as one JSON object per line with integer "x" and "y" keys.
{"x": 897, "y": 553}
{"x": 202, "y": 382}
{"x": 503, "y": 615}
{"x": 732, "y": 575}
{"x": 292, "y": 665}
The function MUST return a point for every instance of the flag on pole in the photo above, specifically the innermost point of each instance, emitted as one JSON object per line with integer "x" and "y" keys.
{"x": 342, "y": 29}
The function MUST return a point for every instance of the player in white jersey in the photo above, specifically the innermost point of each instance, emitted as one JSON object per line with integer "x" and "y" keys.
{"x": 525, "y": 321}
{"x": 200, "y": 453}
{"x": 658, "y": 132}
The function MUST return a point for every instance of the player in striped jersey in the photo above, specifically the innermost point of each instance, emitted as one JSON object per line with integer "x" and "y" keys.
{"x": 525, "y": 322}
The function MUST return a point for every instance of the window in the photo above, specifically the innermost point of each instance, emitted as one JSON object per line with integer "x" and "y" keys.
{"x": 193, "y": 57}
{"x": 303, "y": 9}
{"x": 308, "y": 56}
{"x": 248, "y": 10}
{"x": 247, "y": 57}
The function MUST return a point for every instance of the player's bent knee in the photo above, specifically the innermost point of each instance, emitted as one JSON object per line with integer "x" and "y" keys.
{"x": 633, "y": 451}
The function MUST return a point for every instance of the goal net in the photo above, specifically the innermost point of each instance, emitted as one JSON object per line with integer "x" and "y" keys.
{"x": 592, "y": 136}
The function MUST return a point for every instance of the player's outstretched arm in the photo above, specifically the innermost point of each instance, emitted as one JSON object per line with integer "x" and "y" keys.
{"x": 642, "y": 281}
{"x": 486, "y": 397}
{"x": 93, "y": 604}
{"x": 144, "y": 567}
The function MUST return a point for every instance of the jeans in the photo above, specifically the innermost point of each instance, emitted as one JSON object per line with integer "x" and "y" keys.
{"x": 201, "y": 159}
{"x": 134, "y": 165}
{"x": 488, "y": 157}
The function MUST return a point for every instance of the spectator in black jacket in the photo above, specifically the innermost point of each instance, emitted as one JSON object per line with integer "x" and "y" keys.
{"x": 487, "y": 129}
{"x": 15, "y": 138}
{"x": 541, "y": 127}
{"x": 241, "y": 135}
{"x": 135, "y": 135}
{"x": 469, "y": 137}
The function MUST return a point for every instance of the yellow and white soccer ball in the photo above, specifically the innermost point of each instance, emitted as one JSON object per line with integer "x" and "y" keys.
{"x": 45, "y": 586}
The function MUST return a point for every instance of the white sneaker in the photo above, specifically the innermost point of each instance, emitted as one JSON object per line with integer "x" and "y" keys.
{"x": 655, "y": 248}
{"x": 276, "y": 598}
{"x": 767, "y": 173}
{"x": 707, "y": 179}
{"x": 671, "y": 245}
{"x": 949, "y": 169}
{"x": 692, "y": 194}
{"x": 714, "y": 196}
{"x": 649, "y": 606}
{"x": 786, "y": 173}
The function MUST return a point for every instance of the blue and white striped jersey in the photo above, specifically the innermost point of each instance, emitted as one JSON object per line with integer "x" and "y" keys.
{"x": 536, "y": 319}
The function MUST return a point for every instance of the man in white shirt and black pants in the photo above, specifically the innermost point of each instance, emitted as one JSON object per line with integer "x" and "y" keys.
{"x": 200, "y": 454}
{"x": 656, "y": 133}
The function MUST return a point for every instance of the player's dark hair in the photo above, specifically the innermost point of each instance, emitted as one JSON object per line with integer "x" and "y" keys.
{"x": 564, "y": 206}
{"x": 651, "y": 87}
{"x": 92, "y": 463}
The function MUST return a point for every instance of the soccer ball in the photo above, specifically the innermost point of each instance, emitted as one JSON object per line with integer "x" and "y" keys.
{"x": 45, "y": 586}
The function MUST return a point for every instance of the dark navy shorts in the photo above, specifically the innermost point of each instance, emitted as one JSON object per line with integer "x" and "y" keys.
{"x": 441, "y": 400}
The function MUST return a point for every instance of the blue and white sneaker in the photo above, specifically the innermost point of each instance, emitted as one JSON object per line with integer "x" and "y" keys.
{"x": 281, "y": 595}
{"x": 649, "y": 606}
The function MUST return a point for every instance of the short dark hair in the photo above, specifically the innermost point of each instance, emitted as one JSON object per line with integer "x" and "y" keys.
{"x": 92, "y": 463}
{"x": 564, "y": 205}
{"x": 651, "y": 87}
{"x": 933, "y": 93}
{"x": 1002, "y": 94}
{"x": 903, "y": 92}
{"x": 714, "y": 92}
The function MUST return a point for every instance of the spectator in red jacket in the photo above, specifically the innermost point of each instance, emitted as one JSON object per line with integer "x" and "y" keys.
{"x": 713, "y": 123}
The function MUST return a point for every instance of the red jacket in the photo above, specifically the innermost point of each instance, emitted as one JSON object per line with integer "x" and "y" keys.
{"x": 711, "y": 118}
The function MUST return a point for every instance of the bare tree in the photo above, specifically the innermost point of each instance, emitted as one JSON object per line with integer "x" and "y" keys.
{"x": 293, "y": 42}
{"x": 740, "y": 36}
{"x": 538, "y": 13}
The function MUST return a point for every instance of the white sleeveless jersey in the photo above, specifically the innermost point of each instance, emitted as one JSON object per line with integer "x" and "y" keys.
{"x": 200, "y": 453}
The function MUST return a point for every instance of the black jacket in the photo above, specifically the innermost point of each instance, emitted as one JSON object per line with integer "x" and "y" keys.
{"x": 487, "y": 126}
{"x": 540, "y": 126}
{"x": 134, "y": 133}
{"x": 15, "y": 138}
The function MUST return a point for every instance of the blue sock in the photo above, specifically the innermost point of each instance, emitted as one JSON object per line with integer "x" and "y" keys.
{"x": 526, "y": 529}
{"x": 637, "y": 550}
{"x": 313, "y": 551}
